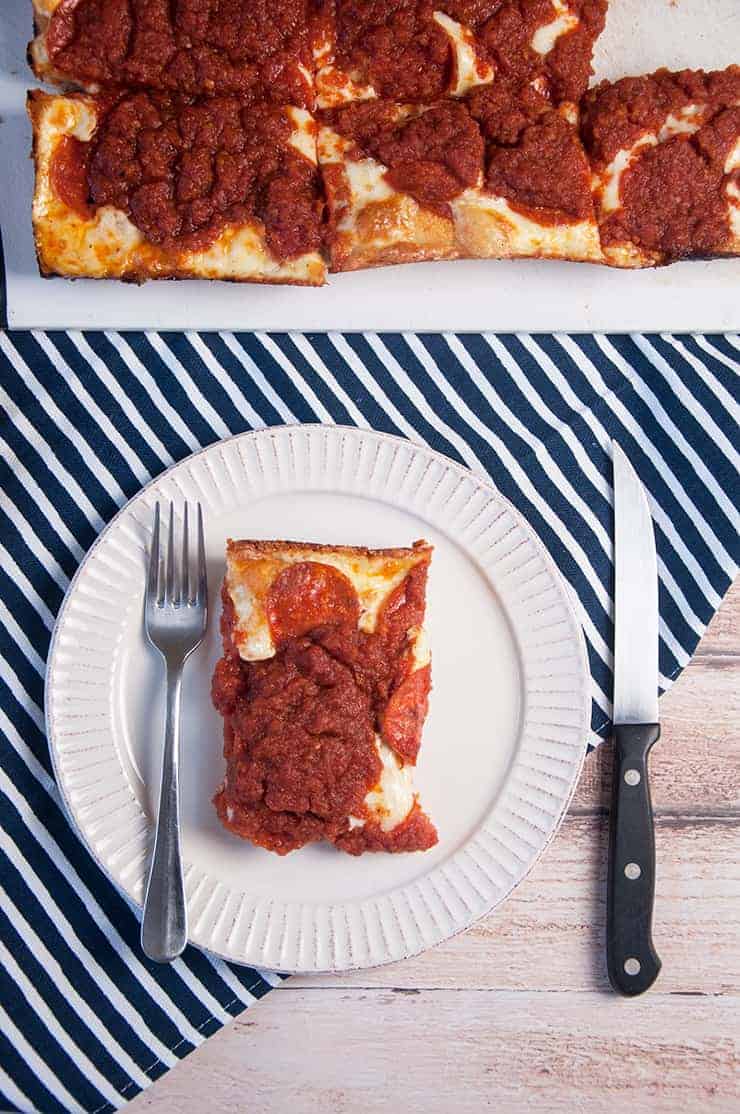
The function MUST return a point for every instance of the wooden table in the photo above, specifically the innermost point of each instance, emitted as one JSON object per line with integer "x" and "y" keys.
{"x": 516, "y": 1015}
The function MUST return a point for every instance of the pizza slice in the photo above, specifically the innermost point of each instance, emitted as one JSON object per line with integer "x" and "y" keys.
{"x": 498, "y": 174}
{"x": 665, "y": 154}
{"x": 323, "y": 686}
{"x": 251, "y": 49}
{"x": 416, "y": 51}
{"x": 146, "y": 184}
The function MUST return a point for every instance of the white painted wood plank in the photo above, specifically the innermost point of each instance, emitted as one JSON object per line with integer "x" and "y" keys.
{"x": 367, "y": 1052}
{"x": 552, "y": 1040}
{"x": 695, "y": 767}
{"x": 549, "y": 935}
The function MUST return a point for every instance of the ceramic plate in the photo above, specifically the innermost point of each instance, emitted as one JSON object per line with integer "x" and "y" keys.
{"x": 504, "y": 742}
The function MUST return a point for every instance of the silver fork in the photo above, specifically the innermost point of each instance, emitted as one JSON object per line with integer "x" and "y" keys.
{"x": 175, "y": 616}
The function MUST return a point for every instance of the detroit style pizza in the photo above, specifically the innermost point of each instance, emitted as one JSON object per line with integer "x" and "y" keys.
{"x": 323, "y": 687}
{"x": 665, "y": 152}
{"x": 266, "y": 141}
{"x": 148, "y": 184}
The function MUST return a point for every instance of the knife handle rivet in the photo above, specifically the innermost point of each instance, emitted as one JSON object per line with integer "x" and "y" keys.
{"x": 632, "y": 966}
{"x": 632, "y": 871}
{"x": 632, "y": 777}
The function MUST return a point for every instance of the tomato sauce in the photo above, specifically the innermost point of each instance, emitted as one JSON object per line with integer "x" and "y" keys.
{"x": 673, "y": 193}
{"x": 192, "y": 46}
{"x": 433, "y": 155}
{"x": 183, "y": 169}
{"x": 300, "y": 727}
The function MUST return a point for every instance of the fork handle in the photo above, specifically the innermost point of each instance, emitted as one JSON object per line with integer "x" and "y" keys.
{"x": 164, "y": 927}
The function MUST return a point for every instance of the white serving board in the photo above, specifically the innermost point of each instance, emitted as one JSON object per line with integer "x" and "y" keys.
{"x": 531, "y": 296}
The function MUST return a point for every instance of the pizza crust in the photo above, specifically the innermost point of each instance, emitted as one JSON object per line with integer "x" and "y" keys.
{"x": 251, "y": 567}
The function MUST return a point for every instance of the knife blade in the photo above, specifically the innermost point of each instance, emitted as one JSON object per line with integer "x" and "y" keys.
{"x": 632, "y": 962}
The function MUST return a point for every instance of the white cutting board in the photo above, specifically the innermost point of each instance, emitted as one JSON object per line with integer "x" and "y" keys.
{"x": 529, "y": 296}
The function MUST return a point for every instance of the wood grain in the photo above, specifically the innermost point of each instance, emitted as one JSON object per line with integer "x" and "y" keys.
{"x": 464, "y": 1051}
{"x": 514, "y": 1015}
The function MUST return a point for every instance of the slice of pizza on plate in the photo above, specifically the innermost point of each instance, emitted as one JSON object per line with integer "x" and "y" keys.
{"x": 323, "y": 687}
{"x": 149, "y": 184}
{"x": 665, "y": 154}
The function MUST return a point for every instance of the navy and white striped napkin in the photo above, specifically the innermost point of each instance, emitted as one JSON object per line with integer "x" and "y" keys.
{"x": 86, "y": 1022}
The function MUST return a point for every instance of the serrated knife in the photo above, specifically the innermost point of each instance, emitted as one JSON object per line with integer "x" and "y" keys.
{"x": 632, "y": 962}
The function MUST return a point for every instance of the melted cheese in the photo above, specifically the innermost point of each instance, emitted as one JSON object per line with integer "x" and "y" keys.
{"x": 393, "y": 797}
{"x": 303, "y": 135}
{"x": 107, "y": 244}
{"x": 609, "y": 182}
{"x": 468, "y": 69}
{"x": 248, "y": 581}
{"x": 335, "y": 87}
{"x": 546, "y": 36}
{"x": 488, "y": 227}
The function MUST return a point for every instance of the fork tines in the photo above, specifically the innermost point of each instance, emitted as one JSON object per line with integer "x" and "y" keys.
{"x": 170, "y": 585}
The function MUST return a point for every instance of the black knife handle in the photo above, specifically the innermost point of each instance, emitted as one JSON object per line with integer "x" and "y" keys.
{"x": 632, "y": 963}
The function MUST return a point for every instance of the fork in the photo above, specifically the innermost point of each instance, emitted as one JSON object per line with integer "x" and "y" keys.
{"x": 175, "y": 617}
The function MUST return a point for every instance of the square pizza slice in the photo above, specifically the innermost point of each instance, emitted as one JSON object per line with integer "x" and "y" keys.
{"x": 147, "y": 184}
{"x": 244, "y": 47}
{"x": 498, "y": 174}
{"x": 416, "y": 51}
{"x": 323, "y": 687}
{"x": 665, "y": 154}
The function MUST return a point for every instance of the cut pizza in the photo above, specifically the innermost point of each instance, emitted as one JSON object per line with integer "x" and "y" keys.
{"x": 416, "y": 51}
{"x": 256, "y": 50}
{"x": 498, "y": 174}
{"x": 665, "y": 153}
{"x": 323, "y": 686}
{"x": 149, "y": 184}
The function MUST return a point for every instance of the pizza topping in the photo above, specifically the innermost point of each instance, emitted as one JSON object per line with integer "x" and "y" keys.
{"x": 395, "y": 46}
{"x": 433, "y": 155}
{"x": 403, "y": 717}
{"x": 68, "y": 173}
{"x": 547, "y": 39}
{"x": 309, "y": 731}
{"x": 184, "y": 169}
{"x": 545, "y": 174}
{"x": 308, "y": 595}
{"x": 671, "y": 201}
{"x": 660, "y": 148}
{"x": 195, "y": 46}
{"x": 618, "y": 115}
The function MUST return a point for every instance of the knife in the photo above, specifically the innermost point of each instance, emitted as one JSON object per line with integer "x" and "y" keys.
{"x": 632, "y": 962}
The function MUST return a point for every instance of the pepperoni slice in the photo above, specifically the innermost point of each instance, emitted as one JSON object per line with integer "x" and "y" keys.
{"x": 404, "y": 608}
{"x": 308, "y": 595}
{"x": 404, "y": 714}
{"x": 68, "y": 171}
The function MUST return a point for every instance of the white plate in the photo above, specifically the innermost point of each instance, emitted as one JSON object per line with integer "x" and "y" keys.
{"x": 503, "y": 746}
{"x": 527, "y": 296}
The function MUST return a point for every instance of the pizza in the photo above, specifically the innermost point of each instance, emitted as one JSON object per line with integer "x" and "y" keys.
{"x": 259, "y": 50}
{"x": 276, "y": 142}
{"x": 150, "y": 184}
{"x": 415, "y": 51}
{"x": 499, "y": 174}
{"x": 665, "y": 152}
{"x": 323, "y": 687}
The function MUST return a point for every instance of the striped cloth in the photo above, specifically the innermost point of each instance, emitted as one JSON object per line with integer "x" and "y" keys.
{"x": 86, "y": 1021}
